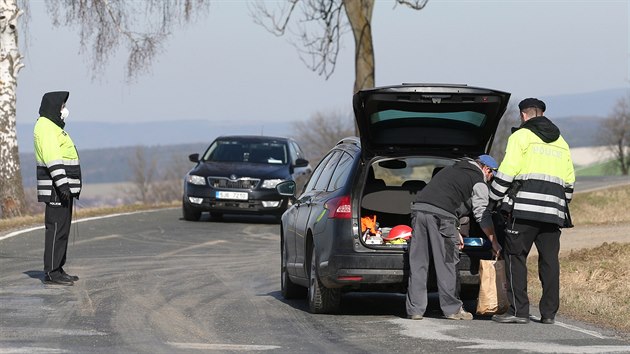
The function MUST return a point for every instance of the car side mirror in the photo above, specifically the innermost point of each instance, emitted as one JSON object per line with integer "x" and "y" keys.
{"x": 286, "y": 188}
{"x": 300, "y": 162}
{"x": 193, "y": 157}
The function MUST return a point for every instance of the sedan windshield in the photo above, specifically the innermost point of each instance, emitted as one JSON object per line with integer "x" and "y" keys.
{"x": 247, "y": 151}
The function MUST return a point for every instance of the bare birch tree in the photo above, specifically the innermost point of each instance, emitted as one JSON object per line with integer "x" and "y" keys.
{"x": 319, "y": 48}
{"x": 615, "y": 133}
{"x": 104, "y": 26}
{"x": 11, "y": 191}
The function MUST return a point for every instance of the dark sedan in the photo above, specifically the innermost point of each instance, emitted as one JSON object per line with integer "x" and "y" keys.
{"x": 239, "y": 174}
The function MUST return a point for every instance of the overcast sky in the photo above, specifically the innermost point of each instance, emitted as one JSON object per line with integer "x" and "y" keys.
{"x": 226, "y": 68}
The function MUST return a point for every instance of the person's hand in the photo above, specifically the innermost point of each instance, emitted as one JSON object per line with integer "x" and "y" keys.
{"x": 64, "y": 192}
{"x": 460, "y": 241}
{"x": 496, "y": 248}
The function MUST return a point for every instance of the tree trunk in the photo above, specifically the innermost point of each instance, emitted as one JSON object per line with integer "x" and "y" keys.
{"x": 359, "y": 14}
{"x": 12, "y": 201}
{"x": 622, "y": 158}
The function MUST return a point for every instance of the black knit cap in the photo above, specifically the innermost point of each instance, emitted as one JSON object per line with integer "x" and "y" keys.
{"x": 532, "y": 103}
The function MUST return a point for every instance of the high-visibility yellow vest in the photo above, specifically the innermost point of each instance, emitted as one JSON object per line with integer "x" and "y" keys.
{"x": 57, "y": 160}
{"x": 546, "y": 173}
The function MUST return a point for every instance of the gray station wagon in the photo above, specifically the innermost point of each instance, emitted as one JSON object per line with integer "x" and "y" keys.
{"x": 335, "y": 235}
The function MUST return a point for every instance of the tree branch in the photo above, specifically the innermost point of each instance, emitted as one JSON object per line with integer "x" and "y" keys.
{"x": 415, "y": 4}
{"x": 143, "y": 25}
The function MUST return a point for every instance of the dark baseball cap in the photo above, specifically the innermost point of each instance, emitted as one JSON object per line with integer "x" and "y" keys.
{"x": 532, "y": 103}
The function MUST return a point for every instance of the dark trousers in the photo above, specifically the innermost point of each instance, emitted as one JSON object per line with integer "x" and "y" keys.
{"x": 520, "y": 235}
{"x": 57, "y": 219}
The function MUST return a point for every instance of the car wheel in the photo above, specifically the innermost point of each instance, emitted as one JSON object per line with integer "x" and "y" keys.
{"x": 320, "y": 298}
{"x": 189, "y": 213}
{"x": 289, "y": 289}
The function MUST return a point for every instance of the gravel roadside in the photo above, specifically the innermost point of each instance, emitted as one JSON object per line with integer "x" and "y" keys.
{"x": 590, "y": 236}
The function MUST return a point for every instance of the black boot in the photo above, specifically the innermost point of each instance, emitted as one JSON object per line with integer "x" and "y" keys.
{"x": 57, "y": 279}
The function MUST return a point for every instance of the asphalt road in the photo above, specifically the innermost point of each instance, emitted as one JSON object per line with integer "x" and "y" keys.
{"x": 153, "y": 283}
{"x": 586, "y": 184}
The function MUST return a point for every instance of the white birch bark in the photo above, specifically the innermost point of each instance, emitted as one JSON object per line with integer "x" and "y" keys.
{"x": 11, "y": 190}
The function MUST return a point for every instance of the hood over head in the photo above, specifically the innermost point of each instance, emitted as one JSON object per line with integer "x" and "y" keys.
{"x": 51, "y": 106}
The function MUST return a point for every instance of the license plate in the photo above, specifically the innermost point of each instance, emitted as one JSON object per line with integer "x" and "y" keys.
{"x": 231, "y": 195}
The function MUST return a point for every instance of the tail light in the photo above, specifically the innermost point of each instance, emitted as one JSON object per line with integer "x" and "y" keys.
{"x": 340, "y": 208}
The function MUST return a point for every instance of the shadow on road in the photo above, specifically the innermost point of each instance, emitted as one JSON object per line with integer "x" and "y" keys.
{"x": 36, "y": 274}
{"x": 378, "y": 304}
{"x": 238, "y": 219}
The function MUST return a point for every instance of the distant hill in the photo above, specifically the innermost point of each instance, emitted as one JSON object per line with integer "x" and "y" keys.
{"x": 96, "y": 135}
{"x": 579, "y": 115}
{"x": 567, "y": 110}
{"x": 106, "y": 149}
{"x": 579, "y": 131}
{"x": 114, "y": 165}
{"x": 596, "y": 103}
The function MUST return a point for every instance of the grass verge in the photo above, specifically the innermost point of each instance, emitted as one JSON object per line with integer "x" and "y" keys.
{"x": 606, "y": 168}
{"x": 594, "y": 286}
{"x": 603, "y": 206}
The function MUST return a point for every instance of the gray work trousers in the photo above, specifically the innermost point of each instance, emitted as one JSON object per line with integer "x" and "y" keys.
{"x": 440, "y": 234}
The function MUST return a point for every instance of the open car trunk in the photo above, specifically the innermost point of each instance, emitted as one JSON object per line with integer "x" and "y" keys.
{"x": 412, "y": 118}
{"x": 390, "y": 187}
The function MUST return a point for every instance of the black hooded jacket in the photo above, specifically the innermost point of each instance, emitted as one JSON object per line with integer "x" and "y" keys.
{"x": 58, "y": 167}
{"x": 51, "y": 106}
{"x": 542, "y": 127}
{"x": 451, "y": 187}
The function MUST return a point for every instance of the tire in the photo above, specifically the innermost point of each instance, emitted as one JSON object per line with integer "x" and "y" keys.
{"x": 289, "y": 289}
{"x": 190, "y": 214}
{"x": 320, "y": 298}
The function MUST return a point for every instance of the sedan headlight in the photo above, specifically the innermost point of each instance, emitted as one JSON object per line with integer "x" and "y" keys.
{"x": 270, "y": 183}
{"x": 198, "y": 180}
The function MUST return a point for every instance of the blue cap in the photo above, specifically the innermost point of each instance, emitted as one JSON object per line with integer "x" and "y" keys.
{"x": 489, "y": 161}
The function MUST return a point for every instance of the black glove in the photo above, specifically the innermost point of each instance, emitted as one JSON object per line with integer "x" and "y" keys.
{"x": 64, "y": 192}
{"x": 492, "y": 205}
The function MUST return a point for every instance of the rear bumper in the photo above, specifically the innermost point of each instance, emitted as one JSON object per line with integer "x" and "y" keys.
{"x": 389, "y": 270}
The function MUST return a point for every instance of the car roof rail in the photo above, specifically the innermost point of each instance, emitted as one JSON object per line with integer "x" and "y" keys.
{"x": 350, "y": 140}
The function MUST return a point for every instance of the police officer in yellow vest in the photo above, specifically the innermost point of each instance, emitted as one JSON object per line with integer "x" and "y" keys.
{"x": 535, "y": 181}
{"x": 58, "y": 182}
